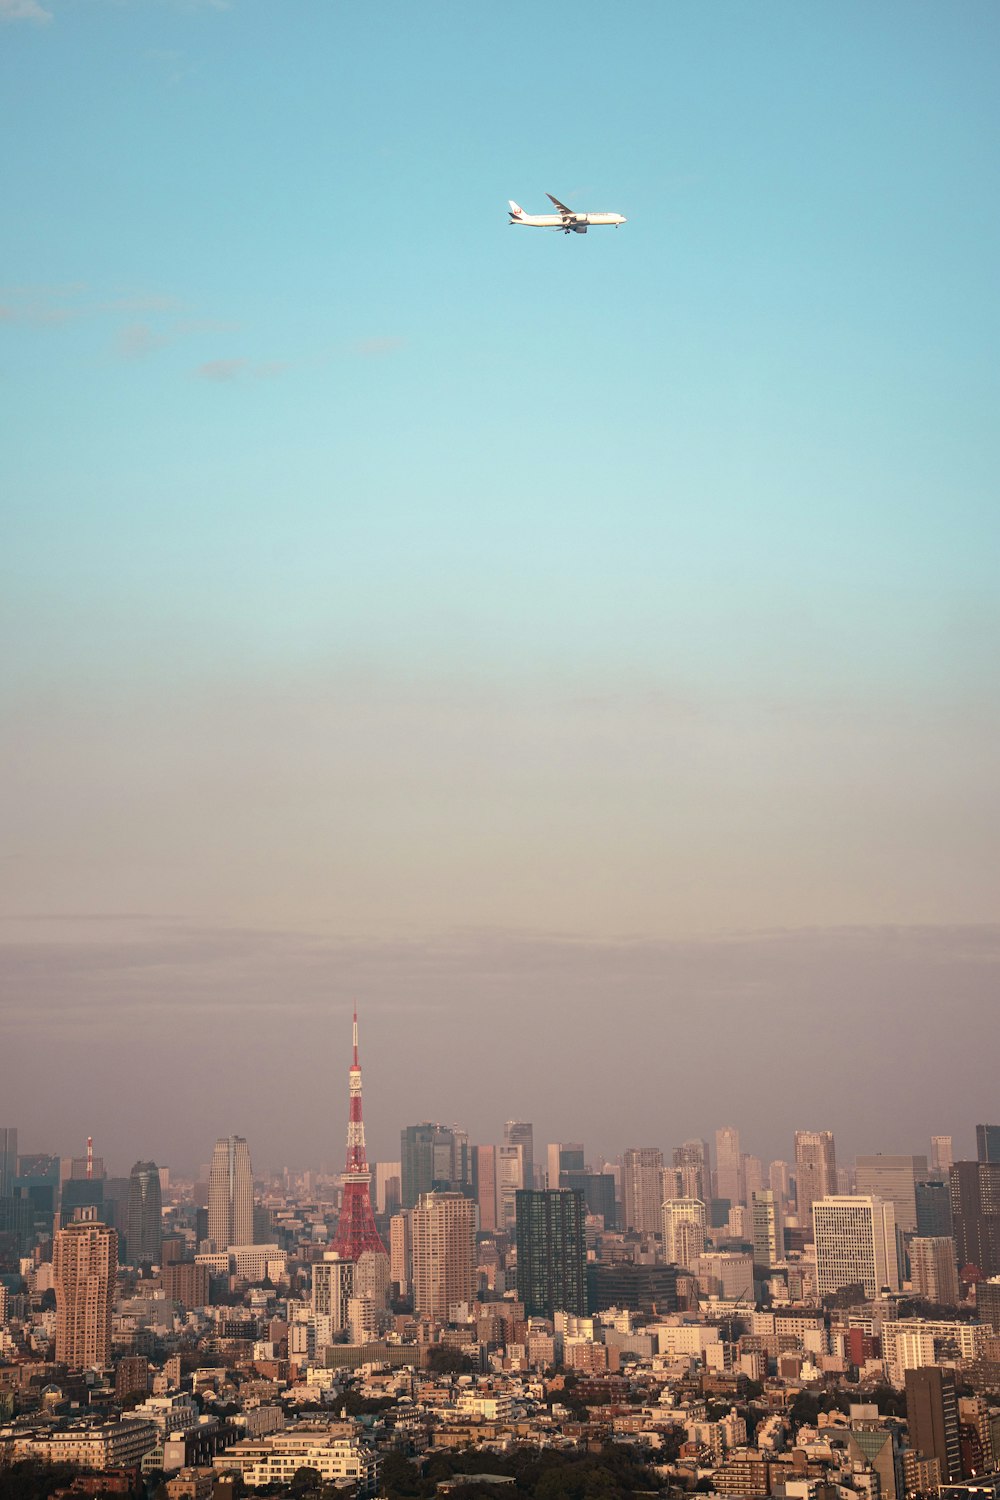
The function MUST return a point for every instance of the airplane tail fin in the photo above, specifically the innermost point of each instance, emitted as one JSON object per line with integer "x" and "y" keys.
{"x": 515, "y": 211}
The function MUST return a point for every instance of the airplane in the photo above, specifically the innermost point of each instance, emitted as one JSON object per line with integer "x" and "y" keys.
{"x": 565, "y": 219}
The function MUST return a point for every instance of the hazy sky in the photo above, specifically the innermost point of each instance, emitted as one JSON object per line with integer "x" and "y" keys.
{"x": 582, "y": 651}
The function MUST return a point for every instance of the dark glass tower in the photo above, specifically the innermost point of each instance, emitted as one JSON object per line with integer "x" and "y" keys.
{"x": 144, "y": 1233}
{"x": 551, "y": 1252}
{"x": 975, "y": 1212}
{"x": 988, "y": 1142}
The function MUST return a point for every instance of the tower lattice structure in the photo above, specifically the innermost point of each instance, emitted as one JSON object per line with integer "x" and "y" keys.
{"x": 356, "y": 1230}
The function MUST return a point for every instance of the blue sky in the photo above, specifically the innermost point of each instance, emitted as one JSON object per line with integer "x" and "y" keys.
{"x": 375, "y": 569}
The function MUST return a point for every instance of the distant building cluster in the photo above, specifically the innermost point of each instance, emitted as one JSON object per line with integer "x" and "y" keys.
{"x": 795, "y": 1328}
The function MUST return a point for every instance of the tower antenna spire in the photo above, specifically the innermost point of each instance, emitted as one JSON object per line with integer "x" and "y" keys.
{"x": 356, "y": 1231}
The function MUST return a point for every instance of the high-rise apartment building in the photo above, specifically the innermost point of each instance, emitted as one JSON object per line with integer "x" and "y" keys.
{"x": 551, "y": 1252}
{"x": 641, "y": 1189}
{"x": 988, "y": 1303}
{"x": 683, "y": 1228}
{"x": 815, "y": 1171}
{"x": 484, "y": 1186}
{"x": 855, "y": 1244}
{"x": 933, "y": 1272}
{"x": 932, "y": 1418}
{"x": 332, "y": 1289}
{"x": 766, "y": 1229}
{"x": 84, "y": 1272}
{"x": 444, "y": 1253}
{"x": 8, "y": 1160}
{"x": 401, "y": 1250}
{"x": 144, "y": 1235}
{"x": 521, "y": 1133}
{"x": 975, "y": 1212}
{"x": 729, "y": 1165}
{"x": 988, "y": 1142}
{"x": 230, "y": 1194}
{"x": 893, "y": 1179}
{"x": 942, "y": 1155}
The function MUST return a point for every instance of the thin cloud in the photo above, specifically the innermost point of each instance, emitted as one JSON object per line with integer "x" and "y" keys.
{"x": 377, "y": 348}
{"x": 223, "y": 370}
{"x": 138, "y": 340}
{"x": 24, "y": 10}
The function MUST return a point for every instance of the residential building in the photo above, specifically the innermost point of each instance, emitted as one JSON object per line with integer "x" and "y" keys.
{"x": 332, "y": 1289}
{"x": 641, "y": 1199}
{"x": 334, "y": 1450}
{"x": 766, "y": 1229}
{"x": 988, "y": 1303}
{"x": 683, "y": 1222}
{"x": 691, "y": 1160}
{"x": 551, "y": 1252}
{"x": 933, "y": 1272}
{"x": 444, "y": 1253}
{"x": 484, "y": 1186}
{"x": 401, "y": 1250}
{"x": 84, "y": 1273}
{"x": 932, "y": 1418}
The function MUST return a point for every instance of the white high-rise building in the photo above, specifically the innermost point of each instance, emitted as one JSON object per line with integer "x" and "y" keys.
{"x": 522, "y": 1133}
{"x": 942, "y": 1155}
{"x": 855, "y": 1244}
{"x": 510, "y": 1177}
{"x": 332, "y": 1289}
{"x": 893, "y": 1179}
{"x": 767, "y": 1229}
{"x": 230, "y": 1194}
{"x": 444, "y": 1253}
{"x": 683, "y": 1225}
{"x": 642, "y": 1194}
{"x": 933, "y": 1271}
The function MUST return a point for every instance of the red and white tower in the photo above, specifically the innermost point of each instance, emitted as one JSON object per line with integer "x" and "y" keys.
{"x": 356, "y": 1230}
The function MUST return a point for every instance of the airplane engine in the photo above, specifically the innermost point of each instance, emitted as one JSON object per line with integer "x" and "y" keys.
{"x": 579, "y": 229}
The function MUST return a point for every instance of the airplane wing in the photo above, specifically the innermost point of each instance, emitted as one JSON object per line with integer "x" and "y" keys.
{"x": 567, "y": 213}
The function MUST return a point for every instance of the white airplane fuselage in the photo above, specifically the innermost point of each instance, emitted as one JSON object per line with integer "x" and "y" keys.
{"x": 556, "y": 221}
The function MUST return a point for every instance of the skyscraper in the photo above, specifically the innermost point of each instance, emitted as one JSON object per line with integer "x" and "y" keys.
{"x": 766, "y": 1229}
{"x": 230, "y": 1194}
{"x": 683, "y": 1221}
{"x": 942, "y": 1155}
{"x": 563, "y": 1156}
{"x": 728, "y": 1165}
{"x": 551, "y": 1252}
{"x": 988, "y": 1142}
{"x": 444, "y": 1253}
{"x": 84, "y": 1271}
{"x": 932, "y": 1418}
{"x": 855, "y": 1244}
{"x": 815, "y": 1171}
{"x": 332, "y": 1289}
{"x": 975, "y": 1212}
{"x": 521, "y": 1133}
{"x": 8, "y": 1160}
{"x": 510, "y": 1180}
{"x": 432, "y": 1159}
{"x": 144, "y": 1236}
{"x": 356, "y": 1230}
{"x": 893, "y": 1179}
{"x": 484, "y": 1185}
{"x": 692, "y": 1161}
{"x": 641, "y": 1189}
{"x": 933, "y": 1272}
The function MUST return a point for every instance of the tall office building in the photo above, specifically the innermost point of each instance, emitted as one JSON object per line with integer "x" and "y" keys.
{"x": 144, "y": 1235}
{"x": 729, "y": 1165}
{"x": 753, "y": 1176}
{"x": 815, "y": 1171}
{"x": 893, "y": 1179}
{"x": 932, "y": 1418}
{"x": 230, "y": 1194}
{"x": 433, "y": 1158}
{"x": 933, "y": 1273}
{"x": 563, "y": 1156}
{"x": 510, "y": 1180}
{"x": 84, "y": 1272}
{"x": 766, "y": 1229}
{"x": 521, "y": 1133}
{"x": 975, "y": 1212}
{"x": 388, "y": 1179}
{"x": 691, "y": 1160}
{"x": 779, "y": 1180}
{"x": 988, "y": 1142}
{"x": 683, "y": 1228}
{"x": 444, "y": 1253}
{"x": 598, "y": 1189}
{"x": 8, "y": 1160}
{"x": 988, "y": 1303}
{"x": 641, "y": 1189}
{"x": 933, "y": 1208}
{"x": 551, "y": 1252}
{"x": 855, "y": 1244}
{"x": 484, "y": 1186}
{"x": 942, "y": 1155}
